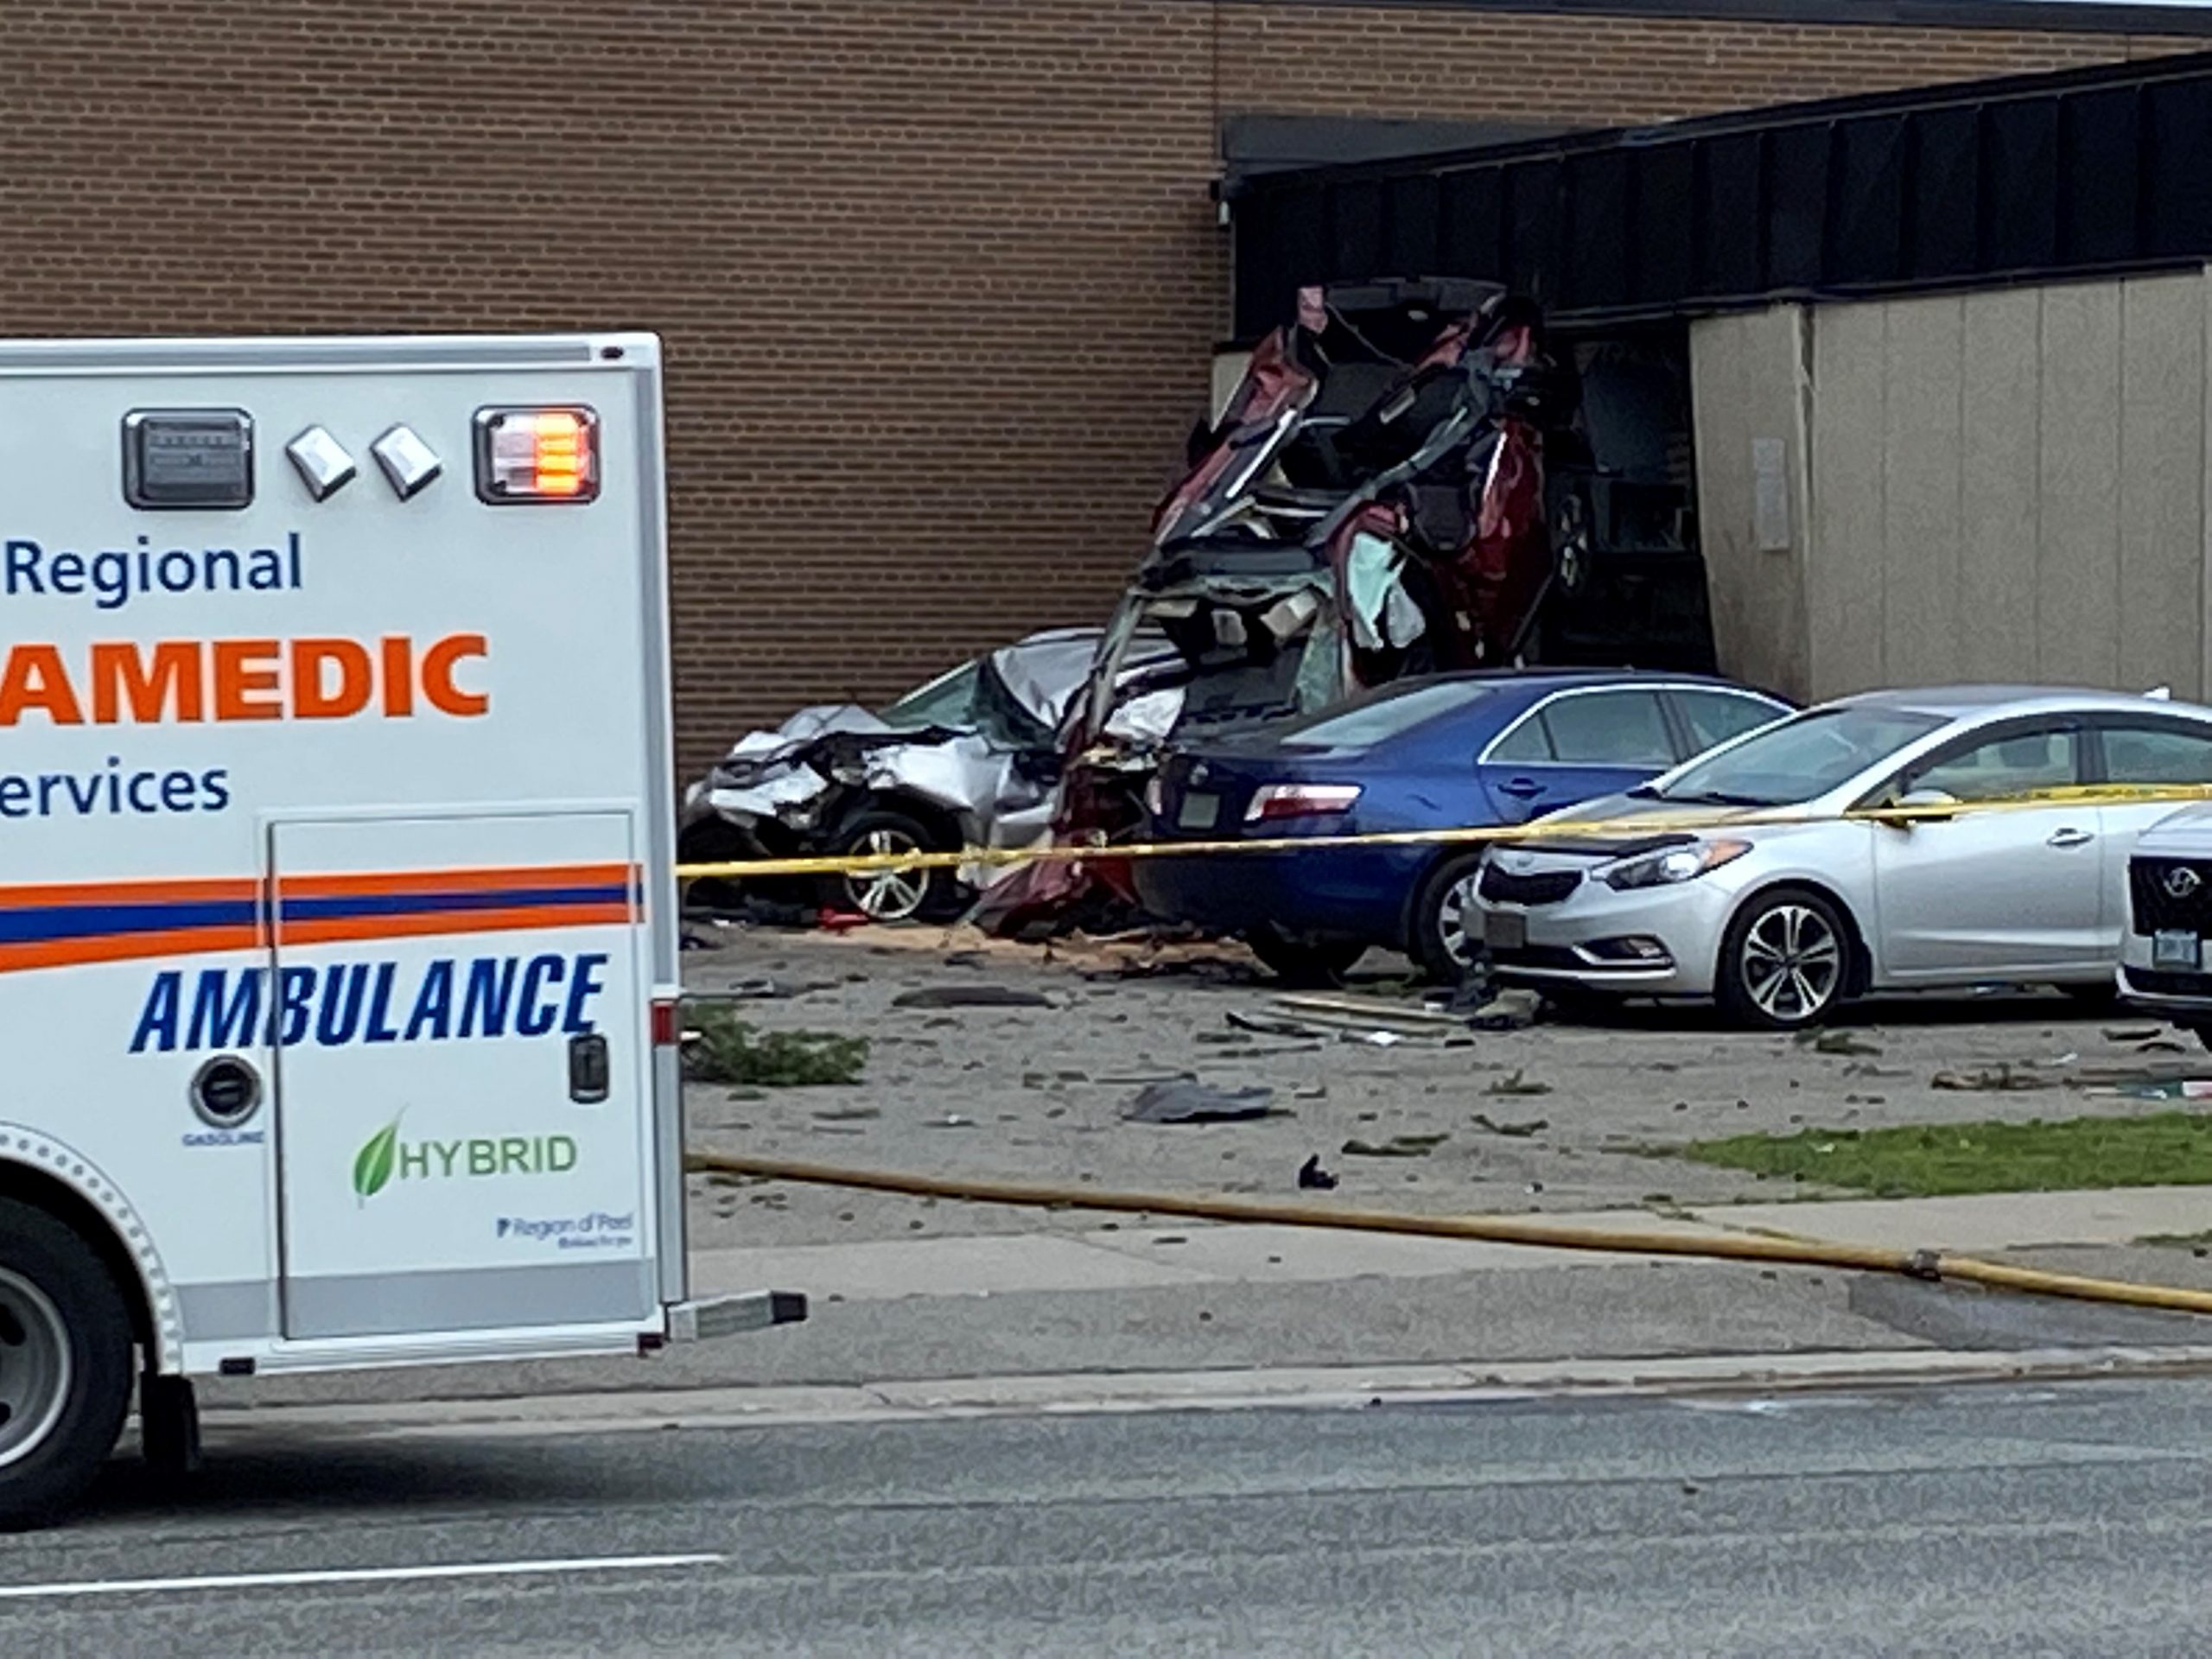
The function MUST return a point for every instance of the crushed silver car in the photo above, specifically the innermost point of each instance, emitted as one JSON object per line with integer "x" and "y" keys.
{"x": 969, "y": 760}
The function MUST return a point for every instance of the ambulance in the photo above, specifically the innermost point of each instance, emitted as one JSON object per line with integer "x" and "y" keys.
{"x": 337, "y": 934}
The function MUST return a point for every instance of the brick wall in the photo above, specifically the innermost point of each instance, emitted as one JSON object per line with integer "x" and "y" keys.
{"x": 937, "y": 276}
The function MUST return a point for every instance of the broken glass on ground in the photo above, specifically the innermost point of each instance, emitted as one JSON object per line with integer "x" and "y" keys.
{"x": 1185, "y": 1100}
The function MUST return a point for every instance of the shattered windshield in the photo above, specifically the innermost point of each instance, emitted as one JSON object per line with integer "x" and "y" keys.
{"x": 1798, "y": 761}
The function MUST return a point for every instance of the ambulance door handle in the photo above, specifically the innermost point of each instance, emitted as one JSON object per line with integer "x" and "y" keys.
{"x": 588, "y": 1070}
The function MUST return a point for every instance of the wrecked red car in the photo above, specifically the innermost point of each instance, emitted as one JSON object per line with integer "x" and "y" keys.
{"x": 1372, "y": 504}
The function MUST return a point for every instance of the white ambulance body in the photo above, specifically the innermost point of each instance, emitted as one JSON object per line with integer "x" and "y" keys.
{"x": 338, "y": 940}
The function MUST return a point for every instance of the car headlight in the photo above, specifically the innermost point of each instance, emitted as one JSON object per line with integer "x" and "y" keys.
{"x": 1674, "y": 864}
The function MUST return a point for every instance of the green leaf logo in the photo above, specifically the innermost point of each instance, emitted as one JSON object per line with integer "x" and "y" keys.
{"x": 372, "y": 1165}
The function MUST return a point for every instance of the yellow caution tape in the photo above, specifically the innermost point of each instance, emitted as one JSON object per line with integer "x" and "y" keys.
{"x": 1540, "y": 829}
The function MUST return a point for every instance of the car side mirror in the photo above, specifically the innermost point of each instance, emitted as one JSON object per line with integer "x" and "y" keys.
{"x": 1921, "y": 807}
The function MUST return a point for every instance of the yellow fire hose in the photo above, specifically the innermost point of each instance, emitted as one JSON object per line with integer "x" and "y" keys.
{"x": 1930, "y": 1265}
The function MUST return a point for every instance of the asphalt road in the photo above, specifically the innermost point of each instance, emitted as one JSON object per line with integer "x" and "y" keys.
{"x": 1960, "y": 1521}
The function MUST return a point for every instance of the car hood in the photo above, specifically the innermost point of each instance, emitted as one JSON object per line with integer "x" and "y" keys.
{"x": 2187, "y": 833}
{"x": 1671, "y": 822}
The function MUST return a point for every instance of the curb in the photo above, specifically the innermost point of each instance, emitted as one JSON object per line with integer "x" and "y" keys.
{"x": 1329, "y": 1388}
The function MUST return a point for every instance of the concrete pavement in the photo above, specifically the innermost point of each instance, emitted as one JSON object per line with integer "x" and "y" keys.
{"x": 1128, "y": 1257}
{"x": 1967, "y": 1521}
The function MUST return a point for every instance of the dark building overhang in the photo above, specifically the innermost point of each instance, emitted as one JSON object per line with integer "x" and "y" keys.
{"x": 2025, "y": 178}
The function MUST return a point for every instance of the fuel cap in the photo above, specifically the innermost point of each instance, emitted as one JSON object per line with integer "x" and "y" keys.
{"x": 226, "y": 1092}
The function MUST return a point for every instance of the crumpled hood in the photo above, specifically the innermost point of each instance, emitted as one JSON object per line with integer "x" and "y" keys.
{"x": 760, "y": 748}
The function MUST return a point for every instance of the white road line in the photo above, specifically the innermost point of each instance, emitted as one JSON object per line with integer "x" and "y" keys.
{"x": 351, "y": 1575}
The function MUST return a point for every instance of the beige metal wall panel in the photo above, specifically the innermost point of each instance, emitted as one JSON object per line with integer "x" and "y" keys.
{"x": 1745, "y": 375}
{"x": 2077, "y": 530}
{"x": 1922, "y": 448}
{"x": 2004, "y": 485}
{"x": 1845, "y": 600}
{"x": 2161, "y": 590}
{"x": 2000, "y": 458}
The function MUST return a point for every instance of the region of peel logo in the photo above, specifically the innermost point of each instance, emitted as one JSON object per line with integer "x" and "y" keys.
{"x": 384, "y": 1158}
{"x": 594, "y": 1230}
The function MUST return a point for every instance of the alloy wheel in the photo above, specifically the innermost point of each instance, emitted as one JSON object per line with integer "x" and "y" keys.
{"x": 1455, "y": 911}
{"x": 1792, "y": 964}
{"x": 887, "y": 895}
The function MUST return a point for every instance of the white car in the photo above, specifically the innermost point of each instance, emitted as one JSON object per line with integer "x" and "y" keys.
{"x": 2163, "y": 966}
{"x": 1780, "y": 922}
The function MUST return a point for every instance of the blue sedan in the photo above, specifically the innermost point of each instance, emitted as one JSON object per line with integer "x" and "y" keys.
{"x": 1454, "y": 751}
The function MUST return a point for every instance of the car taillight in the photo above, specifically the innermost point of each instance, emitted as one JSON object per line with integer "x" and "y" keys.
{"x": 1272, "y": 803}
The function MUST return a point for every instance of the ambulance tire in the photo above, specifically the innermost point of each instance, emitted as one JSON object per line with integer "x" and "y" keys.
{"x": 64, "y": 1355}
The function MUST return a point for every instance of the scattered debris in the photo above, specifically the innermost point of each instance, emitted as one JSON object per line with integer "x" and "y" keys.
{"x": 967, "y": 959}
{"x": 2161, "y": 1089}
{"x": 2004, "y": 1077}
{"x": 764, "y": 989}
{"x": 1512, "y": 1010}
{"x": 1269, "y": 1025}
{"x": 1188, "y": 1101}
{"x": 1516, "y": 1083}
{"x": 1398, "y": 1146}
{"x": 1836, "y": 1042}
{"x": 1312, "y": 1178}
{"x": 2161, "y": 1046}
{"x": 970, "y": 996}
{"x": 722, "y": 1048}
{"x": 1377, "y": 1013}
{"x": 1519, "y": 1131}
{"x": 848, "y": 1114}
{"x": 2132, "y": 1033}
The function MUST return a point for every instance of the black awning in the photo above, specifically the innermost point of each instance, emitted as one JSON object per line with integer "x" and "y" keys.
{"x": 2027, "y": 178}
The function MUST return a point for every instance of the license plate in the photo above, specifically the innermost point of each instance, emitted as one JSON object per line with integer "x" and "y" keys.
{"x": 1198, "y": 812}
{"x": 1505, "y": 930}
{"x": 2177, "y": 950}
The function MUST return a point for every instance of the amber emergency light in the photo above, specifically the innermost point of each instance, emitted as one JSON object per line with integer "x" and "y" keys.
{"x": 544, "y": 456}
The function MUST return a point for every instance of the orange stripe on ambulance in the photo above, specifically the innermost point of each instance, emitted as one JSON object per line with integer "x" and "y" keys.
{"x": 189, "y": 680}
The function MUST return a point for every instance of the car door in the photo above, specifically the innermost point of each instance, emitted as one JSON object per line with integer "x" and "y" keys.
{"x": 1575, "y": 745}
{"x": 2152, "y": 751}
{"x": 1994, "y": 896}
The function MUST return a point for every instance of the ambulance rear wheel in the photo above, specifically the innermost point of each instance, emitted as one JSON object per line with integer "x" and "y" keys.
{"x": 65, "y": 1365}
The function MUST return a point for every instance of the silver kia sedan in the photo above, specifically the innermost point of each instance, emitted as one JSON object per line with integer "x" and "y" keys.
{"x": 1778, "y": 923}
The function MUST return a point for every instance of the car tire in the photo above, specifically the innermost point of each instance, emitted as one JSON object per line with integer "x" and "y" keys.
{"x": 2093, "y": 1001}
{"x": 711, "y": 840}
{"x": 1438, "y": 941}
{"x": 1306, "y": 963}
{"x": 1785, "y": 961}
{"x": 932, "y": 895}
{"x": 65, "y": 1365}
